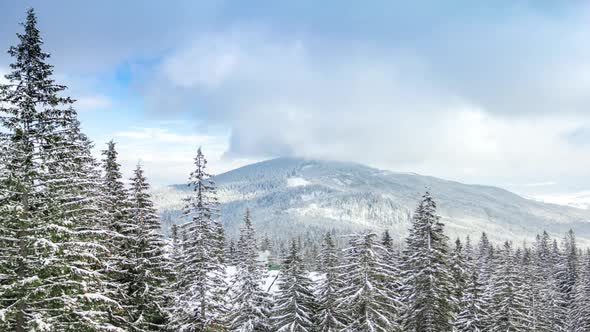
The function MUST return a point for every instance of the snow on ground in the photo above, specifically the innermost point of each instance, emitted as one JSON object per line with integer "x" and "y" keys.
{"x": 296, "y": 182}
{"x": 270, "y": 283}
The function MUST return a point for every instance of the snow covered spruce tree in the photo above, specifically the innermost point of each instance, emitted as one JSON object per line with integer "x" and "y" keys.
{"x": 147, "y": 299}
{"x": 471, "y": 314}
{"x": 531, "y": 289}
{"x": 387, "y": 241}
{"x": 50, "y": 258}
{"x": 121, "y": 241}
{"x": 552, "y": 301}
{"x": 581, "y": 301}
{"x": 485, "y": 264}
{"x": 458, "y": 266}
{"x": 551, "y": 315}
{"x": 251, "y": 304}
{"x": 567, "y": 274}
{"x": 391, "y": 257}
{"x": 426, "y": 272}
{"x": 328, "y": 318}
{"x": 294, "y": 307}
{"x": 367, "y": 300}
{"x": 176, "y": 253}
{"x": 199, "y": 303}
{"x": 509, "y": 311}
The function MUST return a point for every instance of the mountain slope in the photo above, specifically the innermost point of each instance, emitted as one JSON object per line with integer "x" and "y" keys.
{"x": 288, "y": 196}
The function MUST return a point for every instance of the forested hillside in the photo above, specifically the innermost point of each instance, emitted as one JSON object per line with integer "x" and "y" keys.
{"x": 293, "y": 195}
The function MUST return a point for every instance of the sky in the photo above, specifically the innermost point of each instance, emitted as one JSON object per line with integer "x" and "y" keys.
{"x": 487, "y": 92}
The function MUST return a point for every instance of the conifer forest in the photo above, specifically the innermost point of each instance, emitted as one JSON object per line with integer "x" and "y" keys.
{"x": 82, "y": 248}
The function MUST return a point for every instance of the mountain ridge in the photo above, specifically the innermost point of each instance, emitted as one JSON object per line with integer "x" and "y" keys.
{"x": 287, "y": 195}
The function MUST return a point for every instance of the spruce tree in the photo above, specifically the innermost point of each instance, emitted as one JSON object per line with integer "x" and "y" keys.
{"x": 471, "y": 315}
{"x": 426, "y": 272}
{"x": 554, "y": 298}
{"x": 367, "y": 300}
{"x": 458, "y": 267}
{"x": 232, "y": 253}
{"x": 147, "y": 292}
{"x": 391, "y": 257}
{"x": 509, "y": 311}
{"x": 542, "y": 276}
{"x": 121, "y": 242}
{"x": 199, "y": 303}
{"x": 485, "y": 264}
{"x": 581, "y": 301}
{"x": 295, "y": 306}
{"x": 387, "y": 241}
{"x": 328, "y": 318}
{"x": 469, "y": 253}
{"x": 176, "y": 247}
{"x": 567, "y": 274}
{"x": 251, "y": 304}
{"x": 50, "y": 258}
{"x": 266, "y": 245}
{"x": 530, "y": 289}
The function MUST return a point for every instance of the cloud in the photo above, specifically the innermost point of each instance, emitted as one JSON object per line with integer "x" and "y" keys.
{"x": 3, "y": 72}
{"x": 85, "y": 44}
{"x": 167, "y": 152}
{"x": 486, "y": 93}
{"x": 216, "y": 63}
{"x": 393, "y": 108}
{"x": 163, "y": 135}
{"x": 541, "y": 184}
{"x": 93, "y": 102}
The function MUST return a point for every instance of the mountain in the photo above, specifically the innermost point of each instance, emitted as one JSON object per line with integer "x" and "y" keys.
{"x": 288, "y": 196}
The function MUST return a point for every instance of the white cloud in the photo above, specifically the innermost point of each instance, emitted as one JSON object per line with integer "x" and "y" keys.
{"x": 389, "y": 108}
{"x": 484, "y": 98}
{"x": 164, "y": 135}
{"x": 2, "y": 78}
{"x": 212, "y": 62}
{"x": 541, "y": 184}
{"x": 167, "y": 154}
{"x": 93, "y": 102}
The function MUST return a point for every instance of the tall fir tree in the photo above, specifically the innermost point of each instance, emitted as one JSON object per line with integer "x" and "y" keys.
{"x": 530, "y": 289}
{"x": 50, "y": 259}
{"x": 509, "y": 311}
{"x": 391, "y": 257}
{"x": 328, "y": 318}
{"x": 460, "y": 276}
{"x": 295, "y": 306}
{"x": 121, "y": 241}
{"x": 426, "y": 272}
{"x": 485, "y": 264}
{"x": 552, "y": 296}
{"x": 471, "y": 313}
{"x": 176, "y": 249}
{"x": 367, "y": 300}
{"x": 147, "y": 292}
{"x": 231, "y": 255}
{"x": 199, "y": 303}
{"x": 469, "y": 253}
{"x": 251, "y": 304}
{"x": 581, "y": 301}
{"x": 567, "y": 274}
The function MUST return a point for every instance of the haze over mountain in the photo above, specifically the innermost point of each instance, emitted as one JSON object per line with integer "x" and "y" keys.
{"x": 288, "y": 196}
